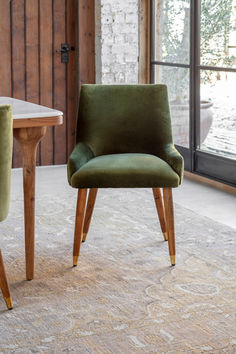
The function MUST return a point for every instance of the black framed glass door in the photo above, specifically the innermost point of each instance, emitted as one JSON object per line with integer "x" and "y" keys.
{"x": 193, "y": 51}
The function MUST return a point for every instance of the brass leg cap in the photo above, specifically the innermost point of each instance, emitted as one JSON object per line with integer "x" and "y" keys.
{"x": 84, "y": 237}
{"x": 172, "y": 260}
{"x": 165, "y": 234}
{"x": 9, "y": 303}
{"x": 75, "y": 260}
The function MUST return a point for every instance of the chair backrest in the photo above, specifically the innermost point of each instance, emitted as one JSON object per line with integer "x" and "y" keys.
{"x": 5, "y": 158}
{"x": 124, "y": 118}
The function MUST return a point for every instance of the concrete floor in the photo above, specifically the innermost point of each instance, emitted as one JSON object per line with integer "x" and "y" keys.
{"x": 202, "y": 199}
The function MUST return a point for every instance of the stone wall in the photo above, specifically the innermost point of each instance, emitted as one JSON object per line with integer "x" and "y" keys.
{"x": 117, "y": 38}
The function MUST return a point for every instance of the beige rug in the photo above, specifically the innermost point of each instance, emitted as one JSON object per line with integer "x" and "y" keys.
{"x": 123, "y": 297}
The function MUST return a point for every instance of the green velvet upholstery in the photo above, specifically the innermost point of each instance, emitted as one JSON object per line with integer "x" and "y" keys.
{"x": 5, "y": 158}
{"x": 124, "y": 139}
{"x": 126, "y": 170}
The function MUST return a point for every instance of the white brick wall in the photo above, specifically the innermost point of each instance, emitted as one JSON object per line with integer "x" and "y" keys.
{"x": 117, "y": 41}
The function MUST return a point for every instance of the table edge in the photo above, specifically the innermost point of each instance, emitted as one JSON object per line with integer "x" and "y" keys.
{"x": 37, "y": 122}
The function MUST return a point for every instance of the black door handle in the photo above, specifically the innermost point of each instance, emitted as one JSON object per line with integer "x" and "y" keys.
{"x": 64, "y": 52}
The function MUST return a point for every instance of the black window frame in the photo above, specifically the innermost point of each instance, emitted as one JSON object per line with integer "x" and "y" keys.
{"x": 197, "y": 161}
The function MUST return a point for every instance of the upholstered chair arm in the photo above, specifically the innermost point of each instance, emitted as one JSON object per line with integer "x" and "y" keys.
{"x": 173, "y": 158}
{"x": 79, "y": 156}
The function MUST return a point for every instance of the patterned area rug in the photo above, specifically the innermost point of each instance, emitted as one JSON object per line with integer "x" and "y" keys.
{"x": 123, "y": 297}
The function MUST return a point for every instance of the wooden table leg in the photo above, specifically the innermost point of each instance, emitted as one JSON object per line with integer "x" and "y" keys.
{"x": 29, "y": 139}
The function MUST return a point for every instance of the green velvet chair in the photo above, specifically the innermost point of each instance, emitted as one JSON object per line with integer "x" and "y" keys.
{"x": 5, "y": 172}
{"x": 124, "y": 140}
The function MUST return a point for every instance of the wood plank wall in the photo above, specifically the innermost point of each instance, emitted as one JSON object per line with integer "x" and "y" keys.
{"x": 31, "y": 70}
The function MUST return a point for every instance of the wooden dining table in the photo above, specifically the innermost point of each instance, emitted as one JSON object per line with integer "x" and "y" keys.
{"x": 30, "y": 122}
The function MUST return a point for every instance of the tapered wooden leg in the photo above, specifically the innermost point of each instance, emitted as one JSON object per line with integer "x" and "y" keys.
{"x": 29, "y": 139}
{"x": 89, "y": 211}
{"x": 169, "y": 213}
{"x": 4, "y": 285}
{"x": 79, "y": 223}
{"x": 160, "y": 211}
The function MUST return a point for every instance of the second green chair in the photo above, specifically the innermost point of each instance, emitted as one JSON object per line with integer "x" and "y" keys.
{"x": 5, "y": 172}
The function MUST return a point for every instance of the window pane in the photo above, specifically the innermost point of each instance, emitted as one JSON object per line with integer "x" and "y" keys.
{"x": 218, "y": 33}
{"x": 218, "y": 117}
{"x": 177, "y": 81}
{"x": 172, "y": 31}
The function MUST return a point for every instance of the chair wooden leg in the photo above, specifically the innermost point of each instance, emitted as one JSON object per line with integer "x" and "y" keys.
{"x": 169, "y": 213}
{"x": 79, "y": 223}
{"x": 160, "y": 210}
{"x": 4, "y": 285}
{"x": 89, "y": 211}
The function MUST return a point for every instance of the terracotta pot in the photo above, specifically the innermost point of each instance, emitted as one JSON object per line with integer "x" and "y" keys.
{"x": 180, "y": 122}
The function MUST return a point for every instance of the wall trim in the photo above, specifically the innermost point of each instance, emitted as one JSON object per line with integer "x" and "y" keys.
{"x": 86, "y": 41}
{"x": 144, "y": 41}
{"x": 210, "y": 182}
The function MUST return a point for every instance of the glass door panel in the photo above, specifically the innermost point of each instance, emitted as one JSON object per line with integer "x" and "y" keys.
{"x": 177, "y": 81}
{"x": 172, "y": 31}
{"x": 218, "y": 33}
{"x": 201, "y": 77}
{"x": 217, "y": 87}
{"x": 218, "y": 117}
{"x": 170, "y": 60}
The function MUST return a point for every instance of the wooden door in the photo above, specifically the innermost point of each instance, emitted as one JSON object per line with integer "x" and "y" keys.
{"x": 30, "y": 68}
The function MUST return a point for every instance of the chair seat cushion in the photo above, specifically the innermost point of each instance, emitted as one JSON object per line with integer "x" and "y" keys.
{"x": 129, "y": 170}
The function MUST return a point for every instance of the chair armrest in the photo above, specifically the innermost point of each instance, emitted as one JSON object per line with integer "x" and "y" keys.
{"x": 79, "y": 157}
{"x": 174, "y": 159}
